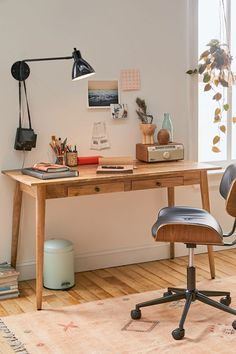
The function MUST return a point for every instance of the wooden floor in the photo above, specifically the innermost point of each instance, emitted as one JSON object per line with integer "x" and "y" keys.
{"x": 119, "y": 281}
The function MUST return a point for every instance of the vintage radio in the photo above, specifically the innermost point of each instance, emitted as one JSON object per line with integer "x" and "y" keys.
{"x": 156, "y": 152}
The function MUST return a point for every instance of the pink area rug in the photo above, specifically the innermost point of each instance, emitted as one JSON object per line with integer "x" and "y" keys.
{"x": 105, "y": 327}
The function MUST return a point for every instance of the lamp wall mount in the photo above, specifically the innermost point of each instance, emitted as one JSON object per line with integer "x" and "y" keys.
{"x": 20, "y": 70}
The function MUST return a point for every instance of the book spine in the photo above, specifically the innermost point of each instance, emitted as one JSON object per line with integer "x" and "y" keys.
{"x": 8, "y": 273}
{"x": 9, "y": 296}
{"x": 8, "y": 280}
{"x": 7, "y": 288}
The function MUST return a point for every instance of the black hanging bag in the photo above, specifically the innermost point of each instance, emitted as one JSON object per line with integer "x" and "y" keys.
{"x": 25, "y": 137}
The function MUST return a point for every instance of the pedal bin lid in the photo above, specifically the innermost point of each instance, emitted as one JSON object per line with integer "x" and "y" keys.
{"x": 57, "y": 246}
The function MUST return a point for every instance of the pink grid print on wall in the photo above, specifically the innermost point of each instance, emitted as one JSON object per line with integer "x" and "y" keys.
{"x": 130, "y": 79}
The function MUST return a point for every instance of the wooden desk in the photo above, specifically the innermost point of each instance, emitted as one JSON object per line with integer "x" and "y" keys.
{"x": 145, "y": 176}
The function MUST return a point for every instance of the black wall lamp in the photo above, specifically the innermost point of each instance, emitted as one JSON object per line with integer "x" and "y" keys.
{"x": 81, "y": 68}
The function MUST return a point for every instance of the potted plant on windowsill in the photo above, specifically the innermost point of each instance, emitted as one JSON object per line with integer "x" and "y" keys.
{"x": 146, "y": 125}
{"x": 215, "y": 70}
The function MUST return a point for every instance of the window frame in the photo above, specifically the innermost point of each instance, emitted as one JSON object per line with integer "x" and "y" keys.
{"x": 193, "y": 87}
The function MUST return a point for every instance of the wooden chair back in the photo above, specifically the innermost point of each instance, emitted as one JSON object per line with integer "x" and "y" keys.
{"x": 231, "y": 200}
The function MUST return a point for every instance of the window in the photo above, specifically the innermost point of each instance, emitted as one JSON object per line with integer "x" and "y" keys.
{"x": 216, "y": 20}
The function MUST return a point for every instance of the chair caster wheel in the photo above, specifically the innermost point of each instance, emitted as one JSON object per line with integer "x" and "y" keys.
{"x": 234, "y": 324}
{"x": 167, "y": 293}
{"x": 225, "y": 300}
{"x": 178, "y": 333}
{"x": 135, "y": 314}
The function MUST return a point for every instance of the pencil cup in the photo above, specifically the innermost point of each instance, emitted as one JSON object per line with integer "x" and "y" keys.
{"x": 60, "y": 160}
{"x": 71, "y": 159}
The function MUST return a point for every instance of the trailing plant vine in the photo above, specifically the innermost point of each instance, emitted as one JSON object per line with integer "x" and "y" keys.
{"x": 215, "y": 69}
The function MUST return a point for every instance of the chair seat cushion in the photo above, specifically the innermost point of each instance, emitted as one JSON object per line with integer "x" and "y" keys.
{"x": 188, "y": 225}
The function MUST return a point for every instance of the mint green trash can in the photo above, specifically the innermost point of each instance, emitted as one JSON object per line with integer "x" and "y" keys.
{"x": 58, "y": 264}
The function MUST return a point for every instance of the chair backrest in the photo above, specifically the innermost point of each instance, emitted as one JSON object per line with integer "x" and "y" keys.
{"x": 228, "y": 189}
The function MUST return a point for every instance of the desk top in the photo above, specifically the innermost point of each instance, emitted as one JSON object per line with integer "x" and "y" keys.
{"x": 87, "y": 173}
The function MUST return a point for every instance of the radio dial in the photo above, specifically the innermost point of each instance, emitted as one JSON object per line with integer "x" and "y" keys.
{"x": 166, "y": 155}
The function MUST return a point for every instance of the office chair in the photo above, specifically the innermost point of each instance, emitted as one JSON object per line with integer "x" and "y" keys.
{"x": 194, "y": 227}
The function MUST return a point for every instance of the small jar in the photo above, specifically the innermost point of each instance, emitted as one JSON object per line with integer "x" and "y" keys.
{"x": 71, "y": 159}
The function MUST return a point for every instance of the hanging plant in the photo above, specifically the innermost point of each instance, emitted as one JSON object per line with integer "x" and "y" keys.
{"x": 215, "y": 69}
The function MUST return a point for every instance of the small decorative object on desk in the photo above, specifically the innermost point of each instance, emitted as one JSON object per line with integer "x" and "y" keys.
{"x": 146, "y": 126}
{"x": 122, "y": 164}
{"x": 72, "y": 157}
{"x": 64, "y": 152}
{"x": 59, "y": 149}
{"x": 167, "y": 124}
{"x": 163, "y": 137}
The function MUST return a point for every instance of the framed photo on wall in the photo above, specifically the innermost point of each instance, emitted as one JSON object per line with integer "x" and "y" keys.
{"x": 101, "y": 94}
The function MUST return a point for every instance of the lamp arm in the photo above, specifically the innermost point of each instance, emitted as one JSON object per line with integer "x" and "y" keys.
{"x": 46, "y": 59}
{"x": 20, "y": 70}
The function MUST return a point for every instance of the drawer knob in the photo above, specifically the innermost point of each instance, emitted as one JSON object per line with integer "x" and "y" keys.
{"x": 97, "y": 189}
{"x": 158, "y": 184}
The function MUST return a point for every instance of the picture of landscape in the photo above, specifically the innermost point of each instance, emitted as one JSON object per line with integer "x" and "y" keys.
{"x": 102, "y": 94}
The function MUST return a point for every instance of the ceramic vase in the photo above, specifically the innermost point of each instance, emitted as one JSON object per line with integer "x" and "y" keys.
{"x": 147, "y": 131}
{"x": 167, "y": 124}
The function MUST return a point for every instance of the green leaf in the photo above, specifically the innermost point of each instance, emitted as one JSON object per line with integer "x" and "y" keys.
{"x": 216, "y": 139}
{"x": 213, "y": 42}
{"x": 190, "y": 72}
{"x": 226, "y": 107}
{"x": 204, "y": 54}
{"x": 202, "y": 68}
{"x": 206, "y": 77}
{"x": 223, "y": 128}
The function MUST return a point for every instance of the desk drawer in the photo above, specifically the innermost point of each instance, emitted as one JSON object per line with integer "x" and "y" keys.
{"x": 96, "y": 189}
{"x": 158, "y": 183}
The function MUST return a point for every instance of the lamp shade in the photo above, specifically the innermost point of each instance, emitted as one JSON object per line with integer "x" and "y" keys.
{"x": 81, "y": 68}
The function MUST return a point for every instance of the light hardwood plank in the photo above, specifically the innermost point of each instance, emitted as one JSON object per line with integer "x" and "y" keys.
{"x": 118, "y": 281}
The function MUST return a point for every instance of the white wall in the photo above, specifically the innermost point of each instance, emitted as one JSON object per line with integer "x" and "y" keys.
{"x": 150, "y": 35}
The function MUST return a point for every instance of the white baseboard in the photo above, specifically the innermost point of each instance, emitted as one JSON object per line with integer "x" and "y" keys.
{"x": 112, "y": 258}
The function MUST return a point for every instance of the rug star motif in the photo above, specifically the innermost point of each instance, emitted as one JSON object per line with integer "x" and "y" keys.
{"x": 69, "y": 325}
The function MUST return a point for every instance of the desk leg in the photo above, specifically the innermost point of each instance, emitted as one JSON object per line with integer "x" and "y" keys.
{"x": 171, "y": 203}
{"x": 40, "y": 233}
{"x": 206, "y": 206}
{"x": 17, "y": 201}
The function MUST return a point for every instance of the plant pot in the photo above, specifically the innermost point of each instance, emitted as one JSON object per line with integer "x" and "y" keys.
{"x": 147, "y": 131}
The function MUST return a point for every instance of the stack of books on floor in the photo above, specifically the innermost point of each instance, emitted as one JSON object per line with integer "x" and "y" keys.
{"x": 8, "y": 281}
{"x": 46, "y": 170}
